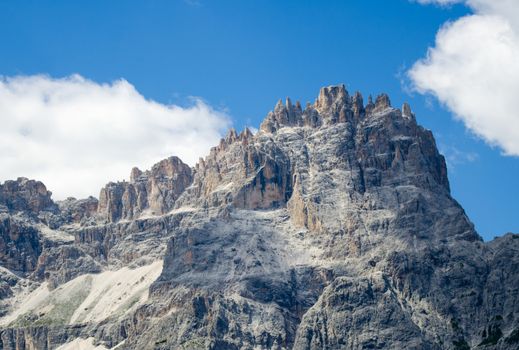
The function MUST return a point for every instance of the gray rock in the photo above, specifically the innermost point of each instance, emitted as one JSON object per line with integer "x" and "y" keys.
{"x": 74, "y": 210}
{"x": 333, "y": 227}
{"x": 19, "y": 245}
{"x": 155, "y": 190}
{"x": 26, "y": 195}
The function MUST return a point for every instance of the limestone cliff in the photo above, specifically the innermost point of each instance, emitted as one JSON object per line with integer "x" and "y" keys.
{"x": 155, "y": 190}
{"x": 332, "y": 227}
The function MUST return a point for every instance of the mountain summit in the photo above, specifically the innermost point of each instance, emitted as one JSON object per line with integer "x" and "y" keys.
{"x": 332, "y": 227}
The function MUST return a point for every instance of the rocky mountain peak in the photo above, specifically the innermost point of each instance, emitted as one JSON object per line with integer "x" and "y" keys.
{"x": 135, "y": 174}
{"x": 406, "y": 111}
{"x": 333, "y": 105}
{"x": 358, "y": 105}
{"x": 375, "y": 144}
{"x": 330, "y": 96}
{"x": 154, "y": 190}
{"x": 245, "y": 135}
{"x": 232, "y": 136}
{"x": 26, "y": 195}
{"x": 382, "y": 102}
{"x": 333, "y": 227}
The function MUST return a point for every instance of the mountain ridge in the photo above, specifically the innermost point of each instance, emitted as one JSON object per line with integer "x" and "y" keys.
{"x": 332, "y": 227}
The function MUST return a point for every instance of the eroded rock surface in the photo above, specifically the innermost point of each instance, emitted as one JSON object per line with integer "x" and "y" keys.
{"x": 155, "y": 190}
{"x": 25, "y": 195}
{"x": 333, "y": 227}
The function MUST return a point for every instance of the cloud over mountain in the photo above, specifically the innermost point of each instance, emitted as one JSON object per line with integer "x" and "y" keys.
{"x": 75, "y": 134}
{"x": 473, "y": 69}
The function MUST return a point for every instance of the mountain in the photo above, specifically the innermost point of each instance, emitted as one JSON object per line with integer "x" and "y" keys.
{"x": 332, "y": 227}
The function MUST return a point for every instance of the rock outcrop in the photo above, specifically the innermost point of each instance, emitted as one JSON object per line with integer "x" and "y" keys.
{"x": 19, "y": 245}
{"x": 26, "y": 195}
{"x": 241, "y": 173}
{"x": 155, "y": 190}
{"x": 78, "y": 210}
{"x": 333, "y": 227}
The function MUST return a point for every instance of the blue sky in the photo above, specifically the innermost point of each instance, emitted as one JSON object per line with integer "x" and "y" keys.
{"x": 240, "y": 57}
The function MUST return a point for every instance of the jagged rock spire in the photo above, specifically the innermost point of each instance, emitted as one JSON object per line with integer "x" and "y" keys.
{"x": 245, "y": 134}
{"x": 407, "y": 112}
{"x": 370, "y": 106}
{"x": 382, "y": 102}
{"x": 231, "y": 136}
{"x": 294, "y": 113}
{"x": 357, "y": 104}
{"x": 135, "y": 174}
{"x": 330, "y": 95}
{"x": 333, "y": 105}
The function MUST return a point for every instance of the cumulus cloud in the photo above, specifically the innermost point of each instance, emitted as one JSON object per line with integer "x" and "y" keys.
{"x": 473, "y": 69}
{"x": 75, "y": 134}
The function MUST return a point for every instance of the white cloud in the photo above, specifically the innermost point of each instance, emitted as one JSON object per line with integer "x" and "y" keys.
{"x": 474, "y": 70}
{"x": 439, "y": 2}
{"x": 454, "y": 156}
{"x": 75, "y": 135}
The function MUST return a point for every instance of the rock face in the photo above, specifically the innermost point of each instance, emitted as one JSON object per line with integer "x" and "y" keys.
{"x": 333, "y": 227}
{"x": 19, "y": 245}
{"x": 155, "y": 190}
{"x": 241, "y": 173}
{"x": 78, "y": 210}
{"x": 26, "y": 195}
